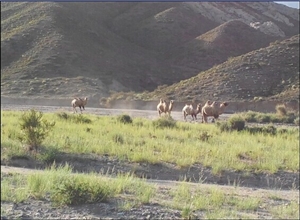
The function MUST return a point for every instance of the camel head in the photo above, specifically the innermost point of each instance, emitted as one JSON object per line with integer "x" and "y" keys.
{"x": 171, "y": 105}
{"x": 199, "y": 107}
{"x": 223, "y": 105}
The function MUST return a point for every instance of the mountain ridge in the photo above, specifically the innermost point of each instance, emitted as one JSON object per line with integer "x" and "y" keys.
{"x": 54, "y": 49}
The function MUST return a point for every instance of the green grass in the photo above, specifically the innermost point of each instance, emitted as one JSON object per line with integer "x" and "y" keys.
{"x": 286, "y": 211}
{"x": 282, "y": 116}
{"x": 64, "y": 187}
{"x": 143, "y": 141}
{"x": 67, "y": 188}
{"x": 214, "y": 202}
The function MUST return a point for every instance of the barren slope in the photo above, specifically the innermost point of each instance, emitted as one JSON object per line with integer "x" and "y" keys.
{"x": 89, "y": 49}
{"x": 271, "y": 73}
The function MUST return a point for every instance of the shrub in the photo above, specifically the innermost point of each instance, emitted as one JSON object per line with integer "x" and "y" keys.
{"x": 79, "y": 119}
{"x": 236, "y": 123}
{"x": 34, "y": 128}
{"x": 72, "y": 191}
{"x": 254, "y": 130}
{"x": 164, "y": 122}
{"x": 223, "y": 126}
{"x": 204, "y": 136}
{"x": 263, "y": 118}
{"x": 281, "y": 110}
{"x": 125, "y": 119}
{"x": 270, "y": 129}
{"x": 49, "y": 155}
{"x": 62, "y": 115}
{"x": 250, "y": 116}
{"x": 118, "y": 138}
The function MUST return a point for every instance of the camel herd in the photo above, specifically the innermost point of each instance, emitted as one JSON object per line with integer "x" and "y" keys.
{"x": 210, "y": 109}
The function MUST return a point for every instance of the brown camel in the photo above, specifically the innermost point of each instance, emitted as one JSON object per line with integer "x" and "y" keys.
{"x": 212, "y": 110}
{"x": 188, "y": 110}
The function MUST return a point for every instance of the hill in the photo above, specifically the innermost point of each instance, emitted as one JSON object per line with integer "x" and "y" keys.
{"x": 65, "y": 49}
{"x": 270, "y": 73}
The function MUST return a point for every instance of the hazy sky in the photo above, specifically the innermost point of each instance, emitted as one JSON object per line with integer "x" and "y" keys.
{"x": 290, "y": 4}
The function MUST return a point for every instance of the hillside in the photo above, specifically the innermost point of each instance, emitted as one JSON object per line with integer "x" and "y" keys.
{"x": 271, "y": 73}
{"x": 65, "y": 49}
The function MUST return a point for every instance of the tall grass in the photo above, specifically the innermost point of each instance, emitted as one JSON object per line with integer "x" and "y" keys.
{"x": 67, "y": 188}
{"x": 143, "y": 140}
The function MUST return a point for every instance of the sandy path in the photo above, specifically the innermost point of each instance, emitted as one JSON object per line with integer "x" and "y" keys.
{"x": 150, "y": 114}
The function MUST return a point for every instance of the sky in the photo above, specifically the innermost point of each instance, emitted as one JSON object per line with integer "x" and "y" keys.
{"x": 290, "y": 4}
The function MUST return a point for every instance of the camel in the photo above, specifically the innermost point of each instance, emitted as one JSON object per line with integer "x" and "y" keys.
{"x": 79, "y": 102}
{"x": 212, "y": 110}
{"x": 162, "y": 107}
{"x": 188, "y": 110}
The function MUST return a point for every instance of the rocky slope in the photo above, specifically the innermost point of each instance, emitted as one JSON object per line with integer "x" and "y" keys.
{"x": 270, "y": 73}
{"x": 89, "y": 49}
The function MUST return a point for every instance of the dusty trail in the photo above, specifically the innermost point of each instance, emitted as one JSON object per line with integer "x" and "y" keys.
{"x": 150, "y": 114}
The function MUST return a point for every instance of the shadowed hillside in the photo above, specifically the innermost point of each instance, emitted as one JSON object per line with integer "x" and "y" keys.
{"x": 270, "y": 73}
{"x": 65, "y": 49}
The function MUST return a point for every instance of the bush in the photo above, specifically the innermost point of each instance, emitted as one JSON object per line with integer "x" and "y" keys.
{"x": 72, "y": 191}
{"x": 79, "y": 119}
{"x": 236, "y": 123}
{"x": 250, "y": 116}
{"x": 34, "y": 128}
{"x": 49, "y": 155}
{"x": 125, "y": 119}
{"x": 118, "y": 138}
{"x": 270, "y": 129}
{"x": 223, "y": 126}
{"x": 281, "y": 110}
{"x": 164, "y": 122}
{"x": 204, "y": 136}
{"x": 264, "y": 118}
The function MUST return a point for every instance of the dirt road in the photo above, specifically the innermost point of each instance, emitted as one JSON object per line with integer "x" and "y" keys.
{"x": 150, "y": 114}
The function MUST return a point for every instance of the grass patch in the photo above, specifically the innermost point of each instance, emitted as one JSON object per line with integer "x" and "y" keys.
{"x": 125, "y": 119}
{"x": 66, "y": 188}
{"x": 281, "y": 116}
{"x": 286, "y": 211}
{"x": 78, "y": 118}
{"x": 160, "y": 140}
{"x": 164, "y": 122}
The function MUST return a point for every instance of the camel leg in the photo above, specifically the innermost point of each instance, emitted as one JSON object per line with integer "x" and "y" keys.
{"x": 204, "y": 117}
